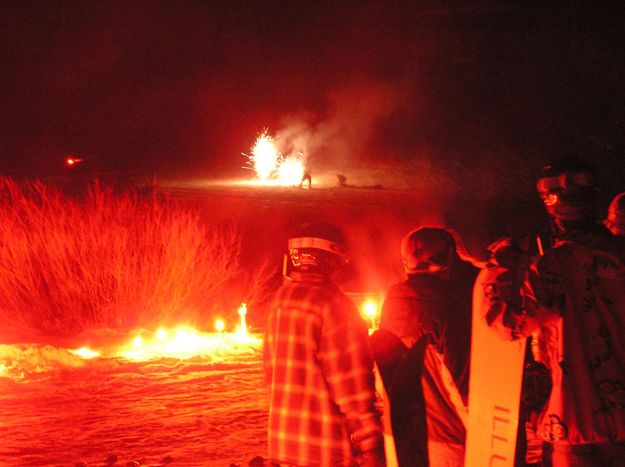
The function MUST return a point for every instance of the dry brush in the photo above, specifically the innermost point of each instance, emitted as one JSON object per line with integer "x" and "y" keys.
{"x": 111, "y": 259}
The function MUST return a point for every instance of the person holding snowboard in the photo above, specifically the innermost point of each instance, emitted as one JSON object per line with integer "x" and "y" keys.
{"x": 574, "y": 297}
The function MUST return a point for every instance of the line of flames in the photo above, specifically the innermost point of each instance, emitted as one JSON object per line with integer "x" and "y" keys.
{"x": 184, "y": 342}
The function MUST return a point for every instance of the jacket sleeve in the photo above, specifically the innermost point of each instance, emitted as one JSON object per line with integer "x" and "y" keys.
{"x": 347, "y": 366}
{"x": 543, "y": 292}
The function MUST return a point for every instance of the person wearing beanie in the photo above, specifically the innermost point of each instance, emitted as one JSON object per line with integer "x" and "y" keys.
{"x": 429, "y": 317}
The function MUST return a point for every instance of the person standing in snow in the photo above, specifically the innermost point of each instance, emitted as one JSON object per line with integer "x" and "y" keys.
{"x": 318, "y": 364}
{"x": 574, "y": 296}
{"x": 429, "y": 315}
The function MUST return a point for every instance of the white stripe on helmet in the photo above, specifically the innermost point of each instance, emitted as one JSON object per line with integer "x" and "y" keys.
{"x": 318, "y": 243}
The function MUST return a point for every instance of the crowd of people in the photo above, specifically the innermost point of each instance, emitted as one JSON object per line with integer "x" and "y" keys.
{"x": 567, "y": 300}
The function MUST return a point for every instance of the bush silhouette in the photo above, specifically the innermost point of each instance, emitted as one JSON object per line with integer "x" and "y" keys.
{"x": 118, "y": 260}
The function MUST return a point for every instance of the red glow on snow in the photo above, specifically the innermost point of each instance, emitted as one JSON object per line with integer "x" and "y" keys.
{"x": 85, "y": 352}
{"x": 183, "y": 342}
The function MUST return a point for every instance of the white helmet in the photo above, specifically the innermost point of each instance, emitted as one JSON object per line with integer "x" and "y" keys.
{"x": 317, "y": 247}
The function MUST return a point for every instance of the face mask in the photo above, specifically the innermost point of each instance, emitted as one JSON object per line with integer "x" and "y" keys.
{"x": 568, "y": 197}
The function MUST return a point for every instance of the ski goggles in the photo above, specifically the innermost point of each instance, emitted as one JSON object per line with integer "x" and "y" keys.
{"x": 563, "y": 181}
{"x": 318, "y": 243}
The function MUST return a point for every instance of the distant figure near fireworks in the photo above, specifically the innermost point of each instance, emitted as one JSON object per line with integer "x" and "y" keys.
{"x": 306, "y": 178}
{"x": 428, "y": 316}
{"x": 616, "y": 215}
{"x": 318, "y": 364}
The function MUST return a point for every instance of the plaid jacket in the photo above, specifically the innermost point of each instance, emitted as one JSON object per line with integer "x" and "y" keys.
{"x": 319, "y": 369}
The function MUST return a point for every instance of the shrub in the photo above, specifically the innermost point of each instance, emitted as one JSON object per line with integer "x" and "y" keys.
{"x": 119, "y": 260}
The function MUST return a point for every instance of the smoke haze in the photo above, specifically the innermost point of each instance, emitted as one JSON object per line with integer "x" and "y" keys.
{"x": 461, "y": 101}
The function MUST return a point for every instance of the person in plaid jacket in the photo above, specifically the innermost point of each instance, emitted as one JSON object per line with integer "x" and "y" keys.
{"x": 318, "y": 364}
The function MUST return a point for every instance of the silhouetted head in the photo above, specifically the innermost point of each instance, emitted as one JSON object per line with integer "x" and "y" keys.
{"x": 427, "y": 250}
{"x": 568, "y": 188}
{"x": 319, "y": 248}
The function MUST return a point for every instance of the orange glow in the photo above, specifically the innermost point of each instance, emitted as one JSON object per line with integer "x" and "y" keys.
{"x": 137, "y": 343}
{"x": 184, "y": 342}
{"x": 85, "y": 352}
{"x": 271, "y": 166}
{"x": 161, "y": 334}
{"x": 291, "y": 171}
{"x": 265, "y": 156}
{"x": 370, "y": 308}
{"x": 370, "y": 312}
{"x": 242, "y": 330}
{"x": 220, "y": 325}
{"x": 242, "y": 334}
{"x": 20, "y": 362}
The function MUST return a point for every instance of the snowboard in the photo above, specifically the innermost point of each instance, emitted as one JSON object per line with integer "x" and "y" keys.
{"x": 494, "y": 392}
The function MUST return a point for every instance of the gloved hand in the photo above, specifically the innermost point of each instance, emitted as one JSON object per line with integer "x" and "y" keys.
{"x": 372, "y": 458}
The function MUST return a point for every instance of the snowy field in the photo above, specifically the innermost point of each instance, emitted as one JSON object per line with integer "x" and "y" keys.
{"x": 61, "y": 410}
{"x": 58, "y": 409}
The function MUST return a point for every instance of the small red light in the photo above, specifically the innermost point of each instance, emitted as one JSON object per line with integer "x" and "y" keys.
{"x": 72, "y": 161}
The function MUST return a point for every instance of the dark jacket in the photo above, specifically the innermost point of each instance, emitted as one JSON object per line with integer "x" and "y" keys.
{"x": 431, "y": 315}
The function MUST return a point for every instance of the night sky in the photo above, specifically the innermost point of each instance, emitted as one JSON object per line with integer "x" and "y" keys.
{"x": 183, "y": 87}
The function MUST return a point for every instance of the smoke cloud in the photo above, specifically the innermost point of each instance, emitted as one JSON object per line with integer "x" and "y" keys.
{"x": 461, "y": 104}
{"x": 341, "y": 136}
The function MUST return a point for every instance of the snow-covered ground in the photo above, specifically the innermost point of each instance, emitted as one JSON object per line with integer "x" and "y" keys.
{"x": 57, "y": 409}
{"x": 209, "y": 409}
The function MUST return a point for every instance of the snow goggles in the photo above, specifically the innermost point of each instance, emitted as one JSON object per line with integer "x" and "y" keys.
{"x": 318, "y": 243}
{"x": 563, "y": 181}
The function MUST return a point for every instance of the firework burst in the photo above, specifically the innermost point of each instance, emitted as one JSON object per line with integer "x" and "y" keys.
{"x": 271, "y": 166}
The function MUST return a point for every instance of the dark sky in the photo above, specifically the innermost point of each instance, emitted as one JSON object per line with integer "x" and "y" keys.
{"x": 185, "y": 86}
